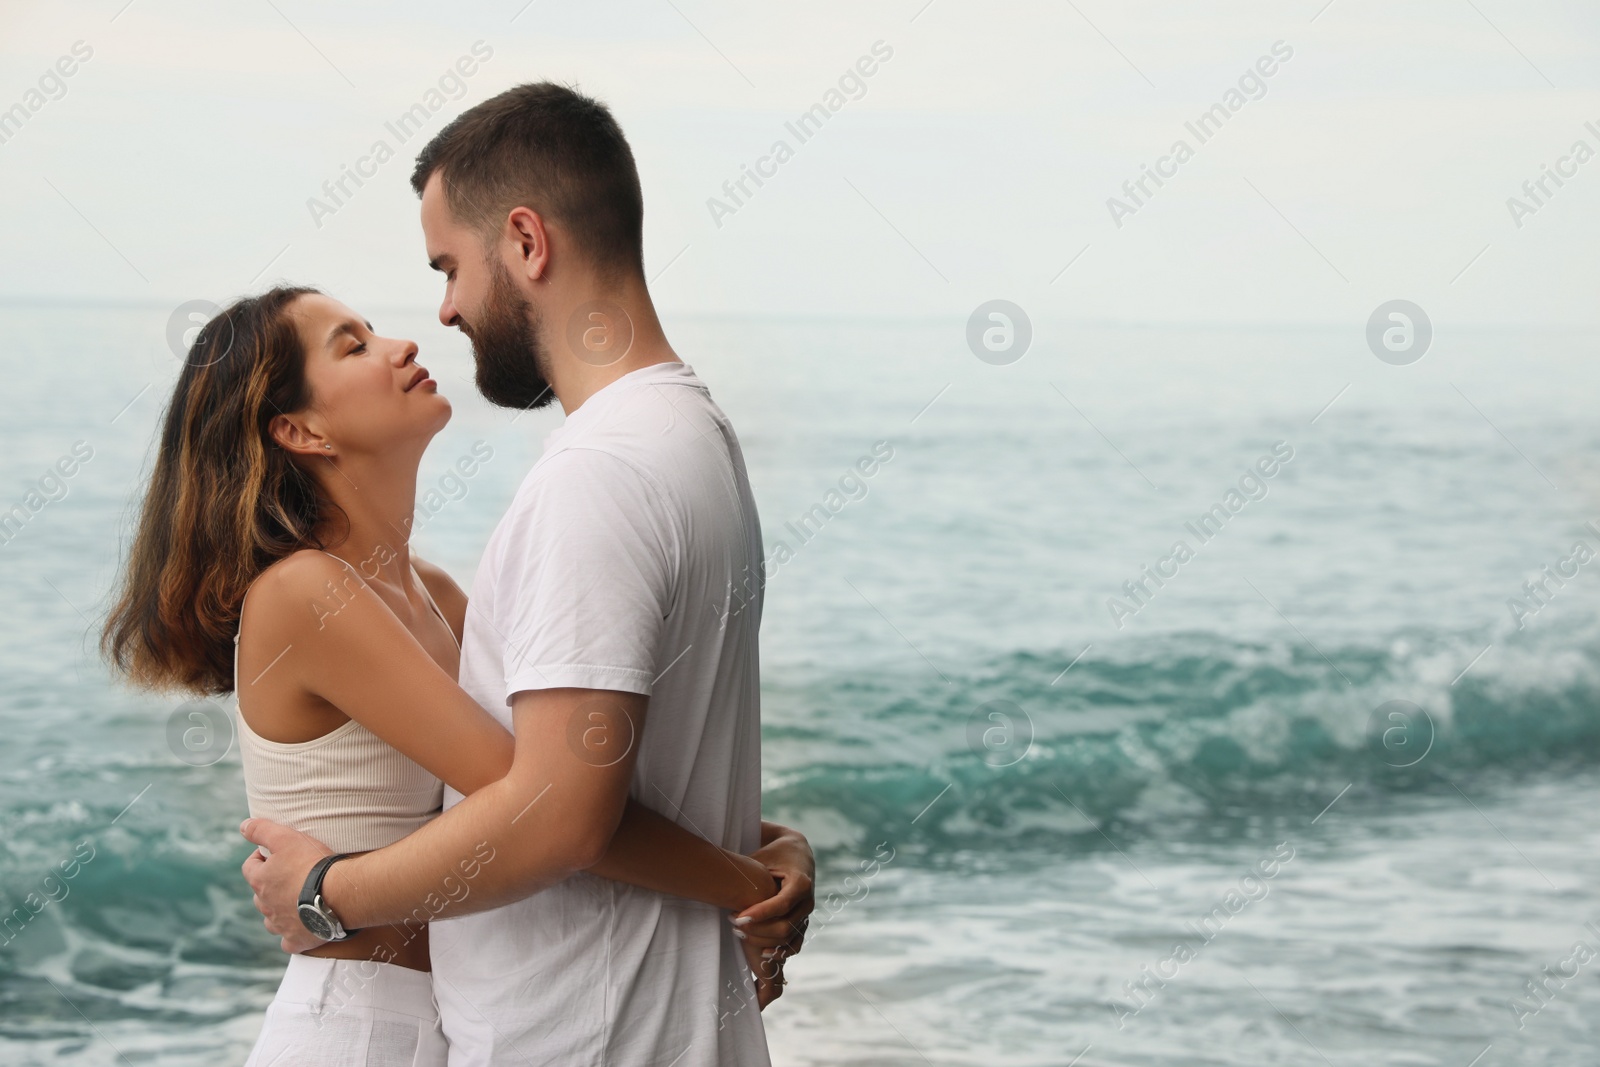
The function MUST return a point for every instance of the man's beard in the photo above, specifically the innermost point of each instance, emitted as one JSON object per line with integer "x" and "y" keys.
{"x": 511, "y": 363}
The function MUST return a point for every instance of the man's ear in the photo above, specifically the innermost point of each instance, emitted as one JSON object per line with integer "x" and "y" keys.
{"x": 531, "y": 241}
{"x": 292, "y": 436}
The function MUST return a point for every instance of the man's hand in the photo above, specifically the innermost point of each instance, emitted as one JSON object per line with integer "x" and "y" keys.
{"x": 277, "y": 879}
{"x": 779, "y": 922}
{"x": 768, "y": 971}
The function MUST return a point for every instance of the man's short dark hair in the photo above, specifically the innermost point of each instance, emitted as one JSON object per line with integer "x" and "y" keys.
{"x": 550, "y": 149}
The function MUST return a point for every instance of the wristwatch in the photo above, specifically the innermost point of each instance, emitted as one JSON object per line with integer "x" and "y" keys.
{"x": 314, "y": 911}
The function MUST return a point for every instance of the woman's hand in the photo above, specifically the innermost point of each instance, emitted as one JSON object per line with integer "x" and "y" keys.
{"x": 779, "y": 922}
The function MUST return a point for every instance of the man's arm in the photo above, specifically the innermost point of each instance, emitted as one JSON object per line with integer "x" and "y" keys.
{"x": 648, "y": 850}
{"x": 554, "y": 814}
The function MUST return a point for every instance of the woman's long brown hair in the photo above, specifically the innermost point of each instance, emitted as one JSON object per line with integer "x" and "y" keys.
{"x": 223, "y": 503}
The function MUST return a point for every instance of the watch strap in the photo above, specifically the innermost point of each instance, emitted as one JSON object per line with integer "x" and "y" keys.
{"x": 313, "y": 884}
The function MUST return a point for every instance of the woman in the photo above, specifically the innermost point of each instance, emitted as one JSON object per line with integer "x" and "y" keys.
{"x": 288, "y": 462}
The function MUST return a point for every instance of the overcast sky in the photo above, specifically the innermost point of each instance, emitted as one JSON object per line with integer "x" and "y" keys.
{"x": 180, "y": 159}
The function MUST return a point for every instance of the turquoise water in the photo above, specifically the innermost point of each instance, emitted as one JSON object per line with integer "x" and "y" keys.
{"x": 989, "y": 885}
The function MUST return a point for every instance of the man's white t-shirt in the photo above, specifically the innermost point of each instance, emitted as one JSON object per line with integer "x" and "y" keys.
{"x": 631, "y": 560}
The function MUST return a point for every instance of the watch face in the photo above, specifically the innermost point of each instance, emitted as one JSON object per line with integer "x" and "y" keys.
{"x": 316, "y": 922}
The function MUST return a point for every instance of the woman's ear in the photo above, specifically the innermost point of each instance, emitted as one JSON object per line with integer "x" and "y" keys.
{"x": 291, "y": 436}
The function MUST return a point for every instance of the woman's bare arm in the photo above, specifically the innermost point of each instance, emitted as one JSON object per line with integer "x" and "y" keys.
{"x": 366, "y": 663}
{"x": 654, "y": 852}
{"x": 362, "y": 661}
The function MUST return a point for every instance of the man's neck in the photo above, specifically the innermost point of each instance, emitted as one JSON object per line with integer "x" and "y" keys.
{"x": 589, "y": 385}
{"x": 576, "y": 374}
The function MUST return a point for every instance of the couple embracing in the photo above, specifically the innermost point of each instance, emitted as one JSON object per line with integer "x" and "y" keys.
{"x": 520, "y": 827}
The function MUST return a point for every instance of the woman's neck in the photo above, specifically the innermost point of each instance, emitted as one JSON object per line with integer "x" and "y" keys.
{"x": 378, "y": 499}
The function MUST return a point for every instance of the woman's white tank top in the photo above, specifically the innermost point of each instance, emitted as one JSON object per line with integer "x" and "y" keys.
{"x": 349, "y": 788}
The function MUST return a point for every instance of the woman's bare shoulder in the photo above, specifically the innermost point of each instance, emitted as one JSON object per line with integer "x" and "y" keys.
{"x": 444, "y": 590}
{"x": 437, "y": 578}
{"x": 299, "y": 590}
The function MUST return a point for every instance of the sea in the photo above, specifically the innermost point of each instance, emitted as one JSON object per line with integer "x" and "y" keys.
{"x": 1161, "y": 694}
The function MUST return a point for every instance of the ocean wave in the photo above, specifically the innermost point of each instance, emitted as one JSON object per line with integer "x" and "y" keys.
{"x": 1175, "y": 731}
{"x": 1183, "y": 735}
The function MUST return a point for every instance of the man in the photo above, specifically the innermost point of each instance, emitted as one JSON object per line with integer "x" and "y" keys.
{"x": 612, "y": 625}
